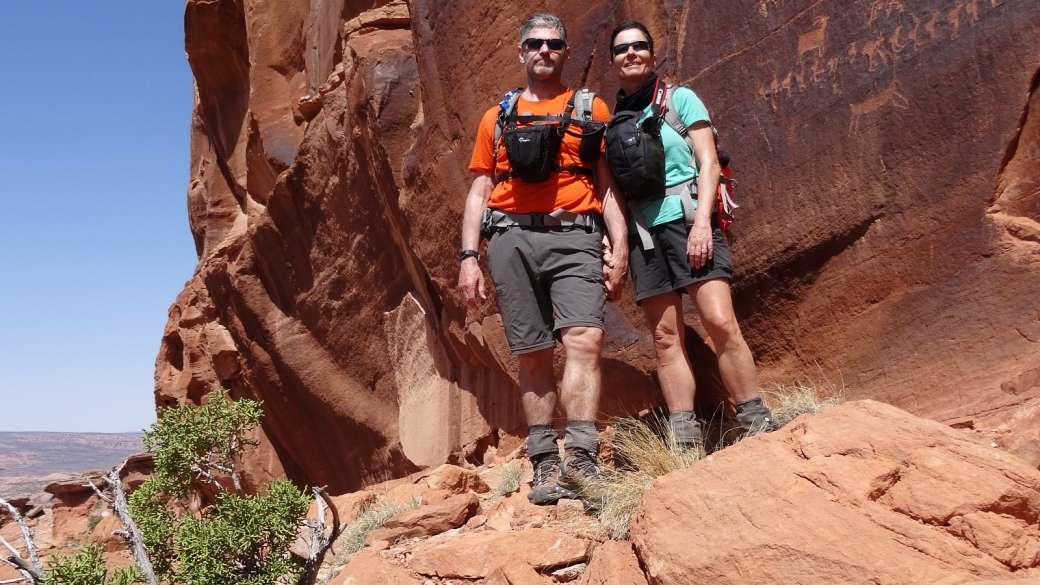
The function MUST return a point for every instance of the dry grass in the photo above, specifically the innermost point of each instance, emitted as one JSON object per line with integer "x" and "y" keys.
{"x": 353, "y": 538}
{"x": 790, "y": 402}
{"x": 510, "y": 476}
{"x": 644, "y": 450}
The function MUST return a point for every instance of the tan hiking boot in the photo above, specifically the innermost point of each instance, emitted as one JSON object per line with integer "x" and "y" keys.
{"x": 545, "y": 487}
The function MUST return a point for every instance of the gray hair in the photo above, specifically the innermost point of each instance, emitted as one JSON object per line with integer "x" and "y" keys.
{"x": 543, "y": 20}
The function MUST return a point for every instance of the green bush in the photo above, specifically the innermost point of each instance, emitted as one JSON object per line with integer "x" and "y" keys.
{"x": 241, "y": 539}
{"x": 87, "y": 567}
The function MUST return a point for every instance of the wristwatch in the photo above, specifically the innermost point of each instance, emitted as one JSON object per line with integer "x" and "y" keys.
{"x": 467, "y": 253}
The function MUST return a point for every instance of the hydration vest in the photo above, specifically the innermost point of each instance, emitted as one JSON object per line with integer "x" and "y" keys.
{"x": 533, "y": 150}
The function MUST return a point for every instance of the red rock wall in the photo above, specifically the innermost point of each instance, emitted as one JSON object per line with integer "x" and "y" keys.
{"x": 888, "y": 231}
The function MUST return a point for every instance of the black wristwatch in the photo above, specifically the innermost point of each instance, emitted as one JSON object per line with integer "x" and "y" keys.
{"x": 467, "y": 253}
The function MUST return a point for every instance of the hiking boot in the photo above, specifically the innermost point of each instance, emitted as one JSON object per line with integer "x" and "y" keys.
{"x": 579, "y": 466}
{"x": 754, "y": 417}
{"x": 545, "y": 487}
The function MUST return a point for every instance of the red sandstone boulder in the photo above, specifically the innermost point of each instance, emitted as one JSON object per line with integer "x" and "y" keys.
{"x": 614, "y": 563}
{"x": 860, "y": 493}
{"x": 428, "y": 520}
{"x": 476, "y": 555}
{"x": 456, "y": 480}
{"x": 366, "y": 567}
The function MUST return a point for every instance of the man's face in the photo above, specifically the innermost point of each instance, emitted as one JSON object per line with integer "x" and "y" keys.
{"x": 542, "y": 63}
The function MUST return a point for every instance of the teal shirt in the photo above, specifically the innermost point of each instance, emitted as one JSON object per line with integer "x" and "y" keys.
{"x": 677, "y": 157}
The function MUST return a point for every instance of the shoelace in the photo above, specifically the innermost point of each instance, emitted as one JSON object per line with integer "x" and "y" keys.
{"x": 545, "y": 468}
{"x": 584, "y": 462}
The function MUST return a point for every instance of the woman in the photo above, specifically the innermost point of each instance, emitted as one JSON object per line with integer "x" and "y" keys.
{"x": 695, "y": 259}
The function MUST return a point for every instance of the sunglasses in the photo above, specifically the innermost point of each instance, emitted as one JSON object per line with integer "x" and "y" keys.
{"x": 637, "y": 45}
{"x": 536, "y": 44}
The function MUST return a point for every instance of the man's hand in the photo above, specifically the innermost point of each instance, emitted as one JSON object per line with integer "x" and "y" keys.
{"x": 471, "y": 283}
{"x": 699, "y": 246}
{"x": 615, "y": 265}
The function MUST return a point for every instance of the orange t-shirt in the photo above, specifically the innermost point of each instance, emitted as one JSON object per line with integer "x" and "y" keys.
{"x": 569, "y": 191}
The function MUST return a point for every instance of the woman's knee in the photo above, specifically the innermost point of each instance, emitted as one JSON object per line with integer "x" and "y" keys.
{"x": 667, "y": 338}
{"x": 723, "y": 329}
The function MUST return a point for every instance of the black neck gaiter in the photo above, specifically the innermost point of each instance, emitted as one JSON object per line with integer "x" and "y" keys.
{"x": 640, "y": 98}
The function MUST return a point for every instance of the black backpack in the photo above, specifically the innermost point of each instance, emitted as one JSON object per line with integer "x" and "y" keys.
{"x": 635, "y": 152}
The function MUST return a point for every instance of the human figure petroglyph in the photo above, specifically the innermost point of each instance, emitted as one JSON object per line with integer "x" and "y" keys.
{"x": 763, "y": 6}
{"x": 890, "y": 95}
{"x": 930, "y": 25}
{"x": 814, "y": 39}
{"x": 972, "y": 8}
{"x": 954, "y": 18}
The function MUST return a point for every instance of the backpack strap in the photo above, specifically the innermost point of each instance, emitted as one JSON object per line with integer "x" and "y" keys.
{"x": 583, "y": 99}
{"x": 671, "y": 117}
{"x": 506, "y": 107}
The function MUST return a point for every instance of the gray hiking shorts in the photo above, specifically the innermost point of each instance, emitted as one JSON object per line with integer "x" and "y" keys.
{"x": 546, "y": 279}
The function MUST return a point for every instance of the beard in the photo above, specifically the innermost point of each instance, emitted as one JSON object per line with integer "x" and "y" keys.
{"x": 544, "y": 69}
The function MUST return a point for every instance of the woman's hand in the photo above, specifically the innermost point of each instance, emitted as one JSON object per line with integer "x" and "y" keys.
{"x": 699, "y": 247}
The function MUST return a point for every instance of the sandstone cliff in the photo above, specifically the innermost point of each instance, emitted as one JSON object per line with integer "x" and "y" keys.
{"x": 887, "y": 154}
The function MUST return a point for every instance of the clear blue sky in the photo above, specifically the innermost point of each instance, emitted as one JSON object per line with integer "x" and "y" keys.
{"x": 95, "y": 108}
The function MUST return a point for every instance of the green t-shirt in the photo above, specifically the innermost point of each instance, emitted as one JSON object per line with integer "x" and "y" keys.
{"x": 677, "y": 157}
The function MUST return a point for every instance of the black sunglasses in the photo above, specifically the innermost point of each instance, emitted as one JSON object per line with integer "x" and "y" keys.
{"x": 536, "y": 44}
{"x": 637, "y": 45}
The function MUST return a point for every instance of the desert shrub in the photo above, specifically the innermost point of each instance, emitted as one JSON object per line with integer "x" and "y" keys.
{"x": 242, "y": 539}
{"x": 87, "y": 567}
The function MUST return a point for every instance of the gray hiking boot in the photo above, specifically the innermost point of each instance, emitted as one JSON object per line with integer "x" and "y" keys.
{"x": 755, "y": 417}
{"x": 545, "y": 487}
{"x": 686, "y": 430}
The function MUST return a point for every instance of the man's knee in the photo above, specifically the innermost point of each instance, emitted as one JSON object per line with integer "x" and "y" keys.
{"x": 583, "y": 343}
{"x": 536, "y": 363}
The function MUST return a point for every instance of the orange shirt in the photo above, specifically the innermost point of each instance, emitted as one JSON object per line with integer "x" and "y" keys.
{"x": 568, "y": 191}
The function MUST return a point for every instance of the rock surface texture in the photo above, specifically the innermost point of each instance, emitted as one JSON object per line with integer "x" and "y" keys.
{"x": 861, "y": 493}
{"x": 887, "y": 157}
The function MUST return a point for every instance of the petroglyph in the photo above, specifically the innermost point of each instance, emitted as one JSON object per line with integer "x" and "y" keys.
{"x": 930, "y": 25}
{"x": 875, "y": 51}
{"x": 890, "y": 95}
{"x": 887, "y": 6}
{"x": 898, "y": 31}
{"x": 763, "y": 6}
{"x": 814, "y": 39}
{"x": 972, "y": 8}
{"x": 954, "y": 18}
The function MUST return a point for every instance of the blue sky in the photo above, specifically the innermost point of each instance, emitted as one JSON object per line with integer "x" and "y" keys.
{"x": 95, "y": 108}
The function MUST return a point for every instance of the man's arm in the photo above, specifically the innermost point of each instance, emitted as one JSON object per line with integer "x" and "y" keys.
{"x": 699, "y": 246}
{"x": 471, "y": 278}
{"x": 615, "y": 257}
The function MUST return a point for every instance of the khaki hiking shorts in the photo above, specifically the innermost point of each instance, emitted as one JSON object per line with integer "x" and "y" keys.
{"x": 546, "y": 280}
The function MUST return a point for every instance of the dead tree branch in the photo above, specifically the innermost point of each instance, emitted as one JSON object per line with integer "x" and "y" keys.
{"x": 32, "y": 572}
{"x": 30, "y": 546}
{"x": 319, "y": 542}
{"x": 132, "y": 534}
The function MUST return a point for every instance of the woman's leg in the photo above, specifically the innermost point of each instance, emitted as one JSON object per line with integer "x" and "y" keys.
{"x": 664, "y": 317}
{"x": 736, "y": 365}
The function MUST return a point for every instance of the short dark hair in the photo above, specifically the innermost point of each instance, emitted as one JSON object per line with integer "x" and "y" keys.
{"x": 628, "y": 26}
{"x": 543, "y": 20}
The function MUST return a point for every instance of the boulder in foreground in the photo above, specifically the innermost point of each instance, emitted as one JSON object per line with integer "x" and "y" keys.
{"x": 861, "y": 493}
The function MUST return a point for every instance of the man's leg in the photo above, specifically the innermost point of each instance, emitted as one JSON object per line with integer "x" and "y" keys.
{"x": 736, "y": 365}
{"x": 538, "y": 397}
{"x": 580, "y": 392}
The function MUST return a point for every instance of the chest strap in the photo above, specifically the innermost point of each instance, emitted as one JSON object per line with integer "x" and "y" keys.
{"x": 572, "y": 169}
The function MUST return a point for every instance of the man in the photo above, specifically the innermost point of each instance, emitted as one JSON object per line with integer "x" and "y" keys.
{"x": 552, "y": 265}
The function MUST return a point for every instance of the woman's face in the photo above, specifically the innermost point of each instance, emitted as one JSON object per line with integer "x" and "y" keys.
{"x": 633, "y": 65}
